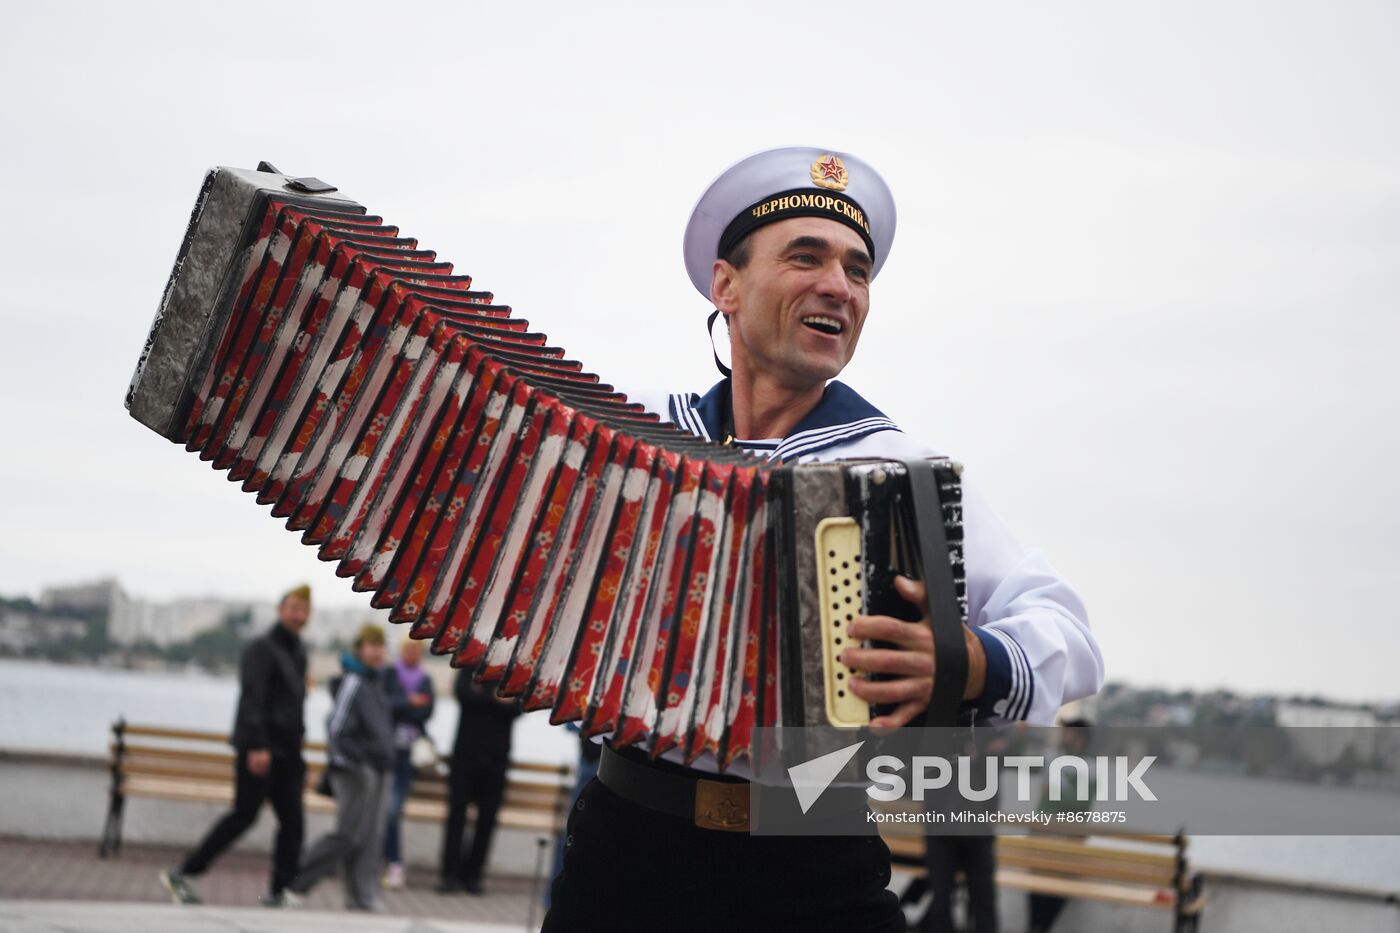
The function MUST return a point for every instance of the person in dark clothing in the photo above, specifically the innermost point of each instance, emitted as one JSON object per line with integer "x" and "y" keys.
{"x": 360, "y": 739}
{"x": 410, "y": 725}
{"x": 974, "y": 854}
{"x": 1075, "y": 735}
{"x": 589, "y": 754}
{"x": 268, "y": 764}
{"x": 480, "y": 756}
{"x": 976, "y": 857}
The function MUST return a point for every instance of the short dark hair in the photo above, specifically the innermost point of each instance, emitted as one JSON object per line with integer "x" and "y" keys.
{"x": 740, "y": 253}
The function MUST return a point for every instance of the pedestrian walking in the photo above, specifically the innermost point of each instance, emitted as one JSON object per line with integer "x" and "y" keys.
{"x": 360, "y": 736}
{"x": 268, "y": 765}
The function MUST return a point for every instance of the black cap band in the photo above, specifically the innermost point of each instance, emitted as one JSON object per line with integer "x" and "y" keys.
{"x": 799, "y": 202}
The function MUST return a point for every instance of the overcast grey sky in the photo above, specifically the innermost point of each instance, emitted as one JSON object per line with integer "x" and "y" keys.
{"x": 1144, "y": 285}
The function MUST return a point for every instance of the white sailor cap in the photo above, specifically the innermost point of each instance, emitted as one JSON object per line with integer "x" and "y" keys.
{"x": 791, "y": 181}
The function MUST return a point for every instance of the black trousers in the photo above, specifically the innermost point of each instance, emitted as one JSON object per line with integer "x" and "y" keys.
{"x": 976, "y": 856}
{"x": 482, "y": 783}
{"x": 1045, "y": 910}
{"x": 630, "y": 868}
{"x": 282, "y": 785}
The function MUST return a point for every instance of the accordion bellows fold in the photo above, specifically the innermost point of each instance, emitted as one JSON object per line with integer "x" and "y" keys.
{"x": 514, "y": 509}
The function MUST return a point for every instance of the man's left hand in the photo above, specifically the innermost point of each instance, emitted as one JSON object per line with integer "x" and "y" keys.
{"x": 912, "y": 663}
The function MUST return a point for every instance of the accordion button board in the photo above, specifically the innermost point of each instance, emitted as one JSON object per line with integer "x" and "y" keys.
{"x": 839, "y": 570}
{"x": 511, "y": 507}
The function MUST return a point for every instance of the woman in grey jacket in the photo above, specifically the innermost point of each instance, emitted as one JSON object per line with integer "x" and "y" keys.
{"x": 360, "y": 735}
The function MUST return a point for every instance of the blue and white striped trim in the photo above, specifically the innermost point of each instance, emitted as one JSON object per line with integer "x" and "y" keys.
{"x": 806, "y": 442}
{"x": 685, "y": 416}
{"x": 1018, "y": 701}
{"x": 1025, "y": 691}
{"x": 1010, "y": 686}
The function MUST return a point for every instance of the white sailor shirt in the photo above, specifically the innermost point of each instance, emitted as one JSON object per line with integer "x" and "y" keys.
{"x": 1033, "y": 626}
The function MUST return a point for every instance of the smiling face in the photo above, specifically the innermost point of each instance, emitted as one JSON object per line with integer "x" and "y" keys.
{"x": 797, "y": 305}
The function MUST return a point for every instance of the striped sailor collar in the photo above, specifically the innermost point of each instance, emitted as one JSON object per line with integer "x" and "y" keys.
{"x": 841, "y": 417}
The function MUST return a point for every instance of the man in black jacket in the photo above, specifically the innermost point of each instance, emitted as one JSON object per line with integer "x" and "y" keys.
{"x": 268, "y": 764}
{"x": 478, "y": 775}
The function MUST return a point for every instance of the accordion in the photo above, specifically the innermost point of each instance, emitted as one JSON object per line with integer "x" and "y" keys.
{"x": 573, "y": 549}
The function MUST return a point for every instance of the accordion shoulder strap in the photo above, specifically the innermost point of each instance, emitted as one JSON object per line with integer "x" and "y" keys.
{"x": 945, "y": 614}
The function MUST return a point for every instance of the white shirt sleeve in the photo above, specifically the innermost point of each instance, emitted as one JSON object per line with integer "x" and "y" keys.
{"x": 1043, "y": 653}
{"x": 1014, "y": 594}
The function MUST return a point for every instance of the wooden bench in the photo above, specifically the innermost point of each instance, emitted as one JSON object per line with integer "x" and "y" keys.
{"x": 1131, "y": 869}
{"x": 194, "y": 765}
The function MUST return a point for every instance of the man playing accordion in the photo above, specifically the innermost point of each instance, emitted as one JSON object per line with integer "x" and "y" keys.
{"x": 786, "y": 244}
{"x": 656, "y": 581}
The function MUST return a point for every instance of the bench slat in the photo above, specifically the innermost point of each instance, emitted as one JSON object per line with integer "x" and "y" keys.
{"x": 1064, "y": 857}
{"x": 1133, "y": 869}
{"x": 196, "y": 766}
{"x": 195, "y": 735}
{"x": 1098, "y": 868}
{"x": 1073, "y": 848}
{"x": 1094, "y": 890}
{"x": 518, "y": 793}
{"x": 195, "y": 791}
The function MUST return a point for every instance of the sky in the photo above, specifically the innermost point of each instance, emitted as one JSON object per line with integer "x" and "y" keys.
{"x": 1144, "y": 284}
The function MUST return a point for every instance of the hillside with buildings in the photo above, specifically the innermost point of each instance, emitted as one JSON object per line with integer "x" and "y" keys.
{"x": 101, "y": 621}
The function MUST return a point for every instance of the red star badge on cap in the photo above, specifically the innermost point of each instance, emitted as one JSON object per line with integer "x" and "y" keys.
{"x": 829, "y": 172}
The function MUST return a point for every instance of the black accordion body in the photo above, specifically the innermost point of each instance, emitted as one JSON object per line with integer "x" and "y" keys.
{"x": 529, "y": 520}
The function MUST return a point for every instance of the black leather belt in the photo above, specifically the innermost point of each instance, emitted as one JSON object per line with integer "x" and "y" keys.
{"x": 719, "y": 803}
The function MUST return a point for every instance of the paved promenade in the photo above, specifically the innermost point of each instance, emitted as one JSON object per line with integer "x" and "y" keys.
{"x": 101, "y": 917}
{"x": 52, "y": 886}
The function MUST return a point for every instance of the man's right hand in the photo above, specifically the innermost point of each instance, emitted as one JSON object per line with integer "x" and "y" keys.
{"x": 259, "y": 760}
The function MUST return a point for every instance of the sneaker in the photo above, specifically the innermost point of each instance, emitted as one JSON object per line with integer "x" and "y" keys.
{"x": 181, "y": 888}
{"x": 394, "y": 877}
{"x": 286, "y": 899}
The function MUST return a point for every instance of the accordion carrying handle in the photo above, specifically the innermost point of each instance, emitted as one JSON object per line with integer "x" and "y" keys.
{"x": 306, "y": 184}
{"x": 945, "y": 613}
